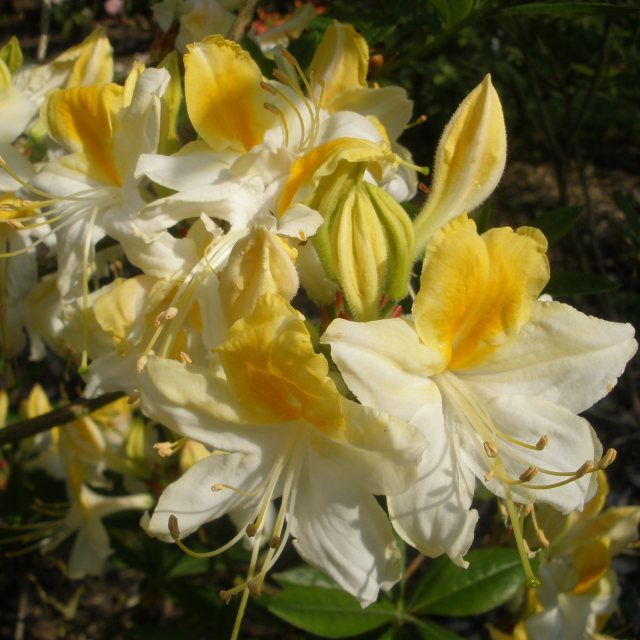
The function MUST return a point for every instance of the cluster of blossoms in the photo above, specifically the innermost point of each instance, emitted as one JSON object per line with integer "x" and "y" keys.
{"x": 176, "y": 264}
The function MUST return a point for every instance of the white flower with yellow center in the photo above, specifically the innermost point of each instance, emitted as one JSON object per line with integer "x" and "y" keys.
{"x": 280, "y": 428}
{"x": 492, "y": 376}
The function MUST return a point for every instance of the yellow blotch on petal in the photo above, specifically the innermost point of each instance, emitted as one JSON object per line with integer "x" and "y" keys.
{"x": 272, "y": 367}
{"x": 323, "y": 160}
{"x": 476, "y": 291}
{"x": 80, "y": 119}
{"x": 223, "y": 95}
{"x": 591, "y": 561}
{"x": 91, "y": 60}
{"x": 341, "y": 60}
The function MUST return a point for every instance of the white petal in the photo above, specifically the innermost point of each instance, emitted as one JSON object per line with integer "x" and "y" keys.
{"x": 198, "y": 403}
{"x": 384, "y": 364}
{"x": 192, "y": 500}
{"x": 434, "y": 515}
{"x": 382, "y": 451}
{"x": 561, "y": 355}
{"x": 193, "y": 166}
{"x": 341, "y": 530}
{"x": 571, "y": 443}
{"x": 90, "y": 550}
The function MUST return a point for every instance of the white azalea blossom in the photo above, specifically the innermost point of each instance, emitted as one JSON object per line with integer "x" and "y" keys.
{"x": 491, "y": 376}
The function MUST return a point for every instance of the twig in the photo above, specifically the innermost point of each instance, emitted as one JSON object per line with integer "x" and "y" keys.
{"x": 45, "y": 21}
{"x": 63, "y": 415}
{"x": 242, "y": 21}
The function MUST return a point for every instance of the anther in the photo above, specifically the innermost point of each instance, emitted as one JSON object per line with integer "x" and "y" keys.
{"x": 528, "y": 508}
{"x": 542, "y": 538}
{"x": 275, "y": 542}
{"x": 134, "y": 396}
{"x": 251, "y": 529}
{"x": 528, "y": 474}
{"x": 542, "y": 443}
{"x": 217, "y": 487}
{"x": 585, "y": 468}
{"x": 608, "y": 458}
{"x": 225, "y": 596}
{"x": 527, "y": 548}
{"x": 282, "y": 77}
{"x": 490, "y": 449}
{"x": 174, "y": 529}
{"x": 489, "y": 475}
{"x": 423, "y": 187}
{"x": 165, "y": 315}
{"x": 141, "y": 362}
{"x": 163, "y": 449}
{"x": 185, "y": 358}
{"x": 268, "y": 88}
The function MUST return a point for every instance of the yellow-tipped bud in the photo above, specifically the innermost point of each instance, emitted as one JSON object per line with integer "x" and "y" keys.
{"x": 469, "y": 161}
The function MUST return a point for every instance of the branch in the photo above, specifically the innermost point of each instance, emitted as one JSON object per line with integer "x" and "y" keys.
{"x": 58, "y": 417}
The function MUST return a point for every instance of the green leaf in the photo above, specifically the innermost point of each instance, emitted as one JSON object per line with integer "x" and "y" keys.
{"x": 566, "y": 283}
{"x": 482, "y": 216}
{"x": 328, "y": 613}
{"x": 429, "y": 630}
{"x": 493, "y": 577}
{"x": 304, "y": 576}
{"x": 570, "y": 9}
{"x": 557, "y": 223}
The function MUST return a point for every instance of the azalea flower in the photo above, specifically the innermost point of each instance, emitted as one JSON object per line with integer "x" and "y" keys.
{"x": 579, "y": 588}
{"x": 279, "y": 428}
{"x": 493, "y": 377}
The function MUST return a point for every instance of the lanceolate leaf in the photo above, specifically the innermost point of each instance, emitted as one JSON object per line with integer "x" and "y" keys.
{"x": 565, "y": 283}
{"x": 557, "y": 223}
{"x": 328, "y": 613}
{"x": 493, "y": 577}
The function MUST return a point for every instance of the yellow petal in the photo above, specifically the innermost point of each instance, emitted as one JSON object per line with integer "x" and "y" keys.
{"x": 260, "y": 263}
{"x": 591, "y": 561}
{"x": 341, "y": 60}
{"x": 80, "y": 120}
{"x": 91, "y": 61}
{"x": 323, "y": 160}
{"x": 475, "y": 290}
{"x": 223, "y": 94}
{"x": 271, "y": 365}
{"x": 469, "y": 161}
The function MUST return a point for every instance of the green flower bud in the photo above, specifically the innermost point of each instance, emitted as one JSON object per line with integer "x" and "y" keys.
{"x": 366, "y": 242}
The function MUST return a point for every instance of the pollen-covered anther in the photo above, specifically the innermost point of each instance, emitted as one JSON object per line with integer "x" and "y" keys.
{"x": 528, "y": 474}
{"x": 174, "y": 529}
{"x": 218, "y": 486}
{"x": 268, "y": 88}
{"x": 275, "y": 542}
{"x": 528, "y": 508}
{"x": 185, "y": 358}
{"x": 489, "y": 475}
{"x": 165, "y": 315}
{"x": 584, "y": 468}
{"x": 542, "y": 538}
{"x": 251, "y": 529}
{"x": 490, "y": 449}
{"x": 163, "y": 449}
{"x": 141, "y": 363}
{"x": 134, "y": 396}
{"x": 608, "y": 458}
{"x": 542, "y": 443}
{"x": 225, "y": 596}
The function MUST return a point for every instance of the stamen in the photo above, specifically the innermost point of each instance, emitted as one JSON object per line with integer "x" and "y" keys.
{"x": 251, "y": 530}
{"x": 174, "y": 531}
{"x": 531, "y": 580}
{"x": 608, "y": 458}
{"x": 134, "y": 396}
{"x": 219, "y": 486}
{"x": 185, "y": 358}
{"x": 584, "y": 468}
{"x": 141, "y": 363}
{"x": 490, "y": 449}
{"x": 542, "y": 443}
{"x": 528, "y": 474}
{"x": 283, "y": 121}
{"x": 419, "y": 120}
{"x": 167, "y": 449}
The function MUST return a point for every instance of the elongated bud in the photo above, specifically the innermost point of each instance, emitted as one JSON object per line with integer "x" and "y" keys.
{"x": 469, "y": 161}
